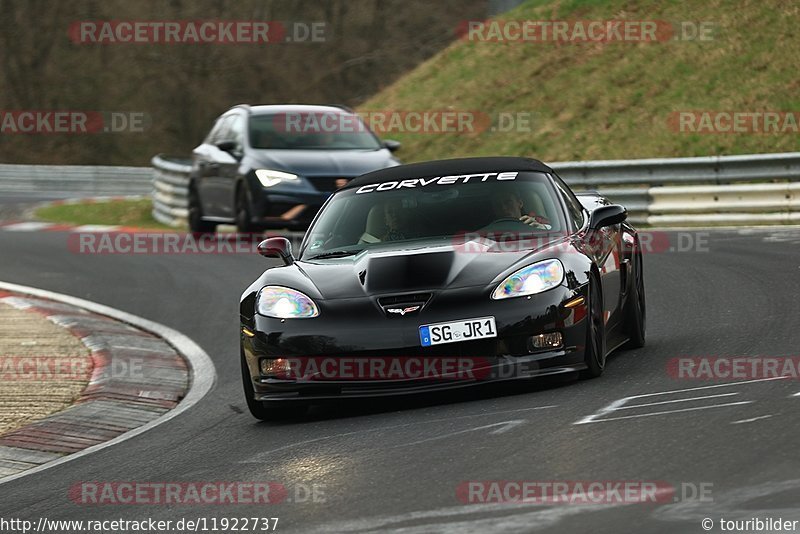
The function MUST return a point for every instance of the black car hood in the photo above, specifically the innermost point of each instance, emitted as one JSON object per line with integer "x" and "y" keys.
{"x": 347, "y": 163}
{"x": 409, "y": 270}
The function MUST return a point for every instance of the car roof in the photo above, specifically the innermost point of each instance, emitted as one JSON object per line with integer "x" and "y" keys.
{"x": 297, "y": 108}
{"x": 449, "y": 167}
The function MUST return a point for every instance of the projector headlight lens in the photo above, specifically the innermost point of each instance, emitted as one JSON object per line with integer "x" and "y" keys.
{"x": 531, "y": 280}
{"x": 269, "y": 178}
{"x": 285, "y": 303}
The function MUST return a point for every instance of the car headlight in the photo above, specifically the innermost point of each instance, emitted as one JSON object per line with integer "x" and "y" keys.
{"x": 530, "y": 280}
{"x": 269, "y": 178}
{"x": 285, "y": 303}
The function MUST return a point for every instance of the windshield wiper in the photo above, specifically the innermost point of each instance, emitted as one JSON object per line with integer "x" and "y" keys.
{"x": 335, "y": 254}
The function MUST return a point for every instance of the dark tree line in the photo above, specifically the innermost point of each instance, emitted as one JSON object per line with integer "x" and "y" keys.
{"x": 182, "y": 87}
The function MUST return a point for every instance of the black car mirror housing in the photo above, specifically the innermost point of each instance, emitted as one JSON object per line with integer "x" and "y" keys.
{"x": 392, "y": 145}
{"x": 607, "y": 216}
{"x": 277, "y": 247}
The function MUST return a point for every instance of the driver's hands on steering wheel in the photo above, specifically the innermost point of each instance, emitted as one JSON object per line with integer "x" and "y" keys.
{"x": 540, "y": 223}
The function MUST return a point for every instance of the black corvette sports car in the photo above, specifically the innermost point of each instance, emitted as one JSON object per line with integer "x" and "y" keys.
{"x": 441, "y": 275}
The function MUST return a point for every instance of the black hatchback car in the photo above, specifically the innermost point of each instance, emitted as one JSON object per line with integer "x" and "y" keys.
{"x": 274, "y": 166}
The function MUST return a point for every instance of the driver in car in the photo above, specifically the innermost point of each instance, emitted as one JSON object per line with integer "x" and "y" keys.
{"x": 508, "y": 204}
{"x": 394, "y": 217}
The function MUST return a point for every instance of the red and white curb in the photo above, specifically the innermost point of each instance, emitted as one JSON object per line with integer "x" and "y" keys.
{"x": 27, "y": 225}
{"x": 172, "y": 374}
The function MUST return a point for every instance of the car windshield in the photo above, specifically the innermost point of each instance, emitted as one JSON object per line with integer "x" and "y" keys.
{"x": 311, "y": 131}
{"x": 446, "y": 208}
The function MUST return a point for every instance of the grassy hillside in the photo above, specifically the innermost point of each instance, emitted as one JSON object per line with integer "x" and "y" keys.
{"x": 612, "y": 100}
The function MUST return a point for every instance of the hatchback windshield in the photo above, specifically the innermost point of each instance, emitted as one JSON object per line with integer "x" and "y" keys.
{"x": 434, "y": 209}
{"x": 311, "y": 130}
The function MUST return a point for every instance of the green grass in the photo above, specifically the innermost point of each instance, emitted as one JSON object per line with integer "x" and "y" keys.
{"x": 136, "y": 213}
{"x": 613, "y": 100}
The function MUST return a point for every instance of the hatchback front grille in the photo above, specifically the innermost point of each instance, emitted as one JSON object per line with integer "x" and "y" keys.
{"x": 328, "y": 183}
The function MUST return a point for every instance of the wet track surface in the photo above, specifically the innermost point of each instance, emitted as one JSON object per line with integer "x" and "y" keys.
{"x": 397, "y": 464}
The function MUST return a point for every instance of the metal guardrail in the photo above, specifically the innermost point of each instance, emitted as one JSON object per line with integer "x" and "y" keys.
{"x": 695, "y": 191}
{"x": 729, "y": 190}
{"x": 736, "y": 204}
{"x": 665, "y": 192}
{"x": 78, "y": 181}
{"x": 170, "y": 190}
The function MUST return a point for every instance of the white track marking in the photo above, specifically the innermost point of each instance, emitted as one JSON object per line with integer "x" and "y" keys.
{"x": 264, "y": 455}
{"x": 626, "y": 407}
{"x": 619, "y": 403}
{"x": 670, "y": 411}
{"x": 203, "y": 374}
{"x": 750, "y": 420}
{"x": 613, "y": 407}
{"x": 504, "y": 426}
{"x": 727, "y": 384}
{"x": 508, "y": 517}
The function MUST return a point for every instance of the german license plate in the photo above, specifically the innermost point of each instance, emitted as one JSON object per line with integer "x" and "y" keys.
{"x": 455, "y": 331}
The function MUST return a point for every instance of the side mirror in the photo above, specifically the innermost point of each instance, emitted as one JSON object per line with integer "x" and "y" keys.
{"x": 227, "y": 146}
{"x": 277, "y": 247}
{"x": 392, "y": 145}
{"x": 607, "y": 216}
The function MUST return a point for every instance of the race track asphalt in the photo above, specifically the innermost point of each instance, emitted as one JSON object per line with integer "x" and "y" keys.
{"x": 395, "y": 465}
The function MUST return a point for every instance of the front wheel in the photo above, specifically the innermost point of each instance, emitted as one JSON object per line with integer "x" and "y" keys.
{"x": 244, "y": 224}
{"x": 196, "y": 223}
{"x": 595, "y": 351}
{"x": 635, "y": 320}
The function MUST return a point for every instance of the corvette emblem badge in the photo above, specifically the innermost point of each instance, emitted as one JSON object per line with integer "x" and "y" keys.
{"x": 403, "y": 311}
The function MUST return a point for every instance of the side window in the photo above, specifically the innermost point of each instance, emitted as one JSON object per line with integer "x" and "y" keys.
{"x": 236, "y": 131}
{"x": 225, "y": 131}
{"x": 213, "y": 135}
{"x": 574, "y": 207}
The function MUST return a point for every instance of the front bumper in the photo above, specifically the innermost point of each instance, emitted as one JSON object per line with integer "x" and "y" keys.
{"x": 356, "y": 329}
{"x": 287, "y": 209}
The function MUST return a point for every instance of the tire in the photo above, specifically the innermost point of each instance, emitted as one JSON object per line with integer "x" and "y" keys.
{"x": 244, "y": 224}
{"x": 261, "y": 410}
{"x": 595, "y": 351}
{"x": 636, "y": 310}
{"x": 196, "y": 223}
